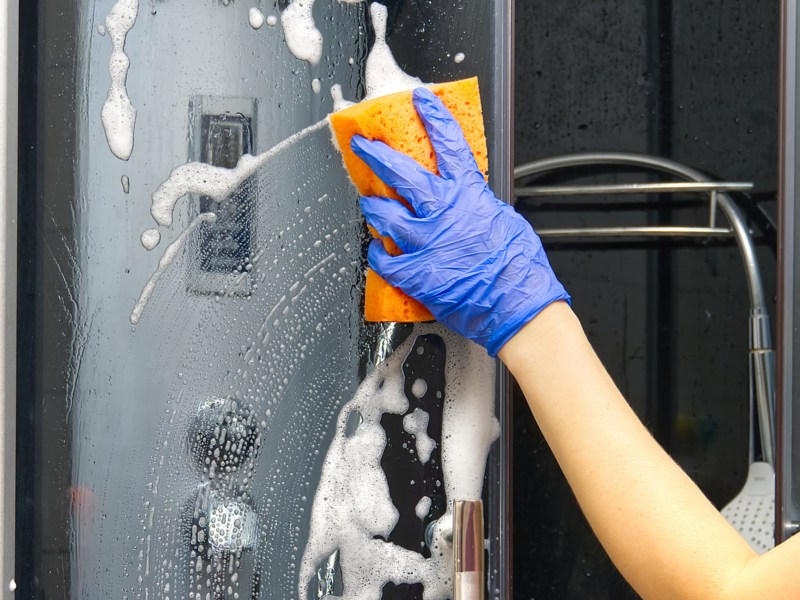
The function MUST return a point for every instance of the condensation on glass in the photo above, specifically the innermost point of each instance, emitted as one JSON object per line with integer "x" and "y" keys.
{"x": 207, "y": 337}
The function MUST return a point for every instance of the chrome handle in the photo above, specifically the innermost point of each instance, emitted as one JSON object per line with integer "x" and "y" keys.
{"x": 633, "y": 188}
{"x": 468, "y": 550}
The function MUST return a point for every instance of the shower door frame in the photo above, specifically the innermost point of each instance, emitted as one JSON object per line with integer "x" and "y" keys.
{"x": 9, "y": 84}
{"x": 786, "y": 517}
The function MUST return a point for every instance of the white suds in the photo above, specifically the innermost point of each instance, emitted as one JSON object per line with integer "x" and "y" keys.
{"x": 459, "y": 57}
{"x": 417, "y": 425}
{"x": 302, "y": 36}
{"x": 383, "y": 74}
{"x": 423, "y": 507}
{"x": 352, "y": 507}
{"x": 215, "y": 182}
{"x": 101, "y": 29}
{"x": 256, "y": 18}
{"x": 316, "y": 86}
{"x": 163, "y": 264}
{"x": 419, "y": 387}
{"x": 339, "y": 102}
{"x": 272, "y": 20}
{"x": 150, "y": 238}
{"x": 118, "y": 114}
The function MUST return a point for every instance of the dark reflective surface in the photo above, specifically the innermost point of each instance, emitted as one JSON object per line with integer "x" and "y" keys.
{"x": 697, "y": 83}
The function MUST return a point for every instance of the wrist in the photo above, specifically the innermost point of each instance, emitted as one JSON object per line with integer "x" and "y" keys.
{"x": 541, "y": 334}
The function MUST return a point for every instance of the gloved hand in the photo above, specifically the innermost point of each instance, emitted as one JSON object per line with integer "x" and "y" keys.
{"x": 468, "y": 257}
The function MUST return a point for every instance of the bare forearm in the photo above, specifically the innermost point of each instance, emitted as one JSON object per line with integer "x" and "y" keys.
{"x": 658, "y": 528}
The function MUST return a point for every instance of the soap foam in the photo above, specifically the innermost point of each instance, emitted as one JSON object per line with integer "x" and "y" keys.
{"x": 150, "y": 238}
{"x": 164, "y": 263}
{"x": 423, "y": 507}
{"x": 303, "y": 38}
{"x": 215, "y": 182}
{"x": 383, "y": 74}
{"x": 417, "y": 425}
{"x": 339, "y": 102}
{"x": 118, "y": 114}
{"x": 352, "y": 505}
{"x": 256, "y": 18}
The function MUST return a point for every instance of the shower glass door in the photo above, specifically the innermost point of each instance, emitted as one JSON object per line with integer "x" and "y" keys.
{"x": 202, "y": 411}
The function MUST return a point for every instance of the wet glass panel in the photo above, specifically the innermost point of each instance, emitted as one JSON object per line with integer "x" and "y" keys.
{"x": 203, "y": 411}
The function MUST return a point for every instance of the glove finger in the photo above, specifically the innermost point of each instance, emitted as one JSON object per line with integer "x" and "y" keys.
{"x": 453, "y": 154}
{"x": 390, "y": 218}
{"x": 413, "y": 182}
{"x": 384, "y": 264}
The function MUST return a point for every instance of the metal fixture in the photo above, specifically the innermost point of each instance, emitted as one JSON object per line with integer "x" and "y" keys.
{"x": 761, "y": 353}
{"x": 468, "y": 550}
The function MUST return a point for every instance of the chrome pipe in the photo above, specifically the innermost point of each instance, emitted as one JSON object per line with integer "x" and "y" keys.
{"x": 763, "y": 384}
{"x": 726, "y": 204}
{"x": 762, "y": 371}
{"x": 628, "y": 232}
{"x": 468, "y": 549}
{"x": 631, "y": 188}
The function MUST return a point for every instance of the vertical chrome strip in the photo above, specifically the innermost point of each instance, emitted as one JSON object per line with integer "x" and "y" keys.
{"x": 785, "y": 519}
{"x": 9, "y": 45}
{"x": 501, "y": 515}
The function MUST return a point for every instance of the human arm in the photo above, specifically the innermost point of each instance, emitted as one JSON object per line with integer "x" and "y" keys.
{"x": 660, "y": 531}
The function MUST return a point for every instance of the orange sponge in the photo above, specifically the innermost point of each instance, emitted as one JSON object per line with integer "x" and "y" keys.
{"x": 393, "y": 120}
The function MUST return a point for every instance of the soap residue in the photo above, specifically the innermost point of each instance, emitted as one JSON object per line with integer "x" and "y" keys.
{"x": 339, "y": 102}
{"x": 164, "y": 263}
{"x": 255, "y": 18}
{"x": 459, "y": 57}
{"x": 215, "y": 182}
{"x": 423, "y": 507}
{"x": 417, "y": 425}
{"x": 150, "y": 238}
{"x": 118, "y": 114}
{"x": 303, "y": 38}
{"x": 383, "y": 74}
{"x": 352, "y": 508}
{"x": 272, "y": 20}
{"x": 316, "y": 85}
{"x": 126, "y": 184}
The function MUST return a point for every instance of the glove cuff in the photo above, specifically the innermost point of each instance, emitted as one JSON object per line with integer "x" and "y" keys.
{"x": 514, "y": 322}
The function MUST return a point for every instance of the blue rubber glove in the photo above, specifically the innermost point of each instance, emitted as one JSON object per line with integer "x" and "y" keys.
{"x": 472, "y": 261}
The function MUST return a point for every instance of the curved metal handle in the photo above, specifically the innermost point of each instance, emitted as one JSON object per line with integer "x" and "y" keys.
{"x": 468, "y": 550}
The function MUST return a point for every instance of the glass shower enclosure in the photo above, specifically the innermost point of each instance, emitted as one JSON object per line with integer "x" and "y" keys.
{"x": 202, "y": 411}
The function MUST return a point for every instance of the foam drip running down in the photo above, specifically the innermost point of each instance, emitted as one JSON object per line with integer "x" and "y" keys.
{"x": 383, "y": 74}
{"x": 339, "y": 102}
{"x": 352, "y": 506}
{"x": 118, "y": 114}
{"x": 303, "y": 38}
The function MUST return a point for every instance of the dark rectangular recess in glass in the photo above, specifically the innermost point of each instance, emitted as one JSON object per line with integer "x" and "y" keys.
{"x": 225, "y": 244}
